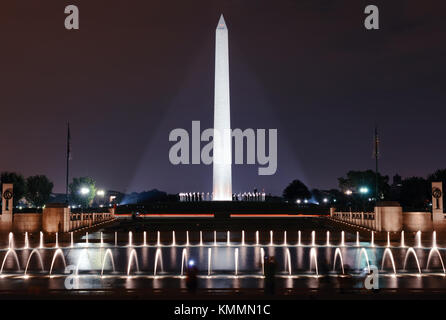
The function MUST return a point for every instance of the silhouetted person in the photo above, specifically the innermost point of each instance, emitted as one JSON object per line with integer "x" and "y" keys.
{"x": 346, "y": 283}
{"x": 191, "y": 278}
{"x": 325, "y": 281}
{"x": 270, "y": 273}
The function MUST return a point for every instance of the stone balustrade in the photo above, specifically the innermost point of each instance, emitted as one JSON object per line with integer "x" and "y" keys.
{"x": 83, "y": 220}
{"x": 363, "y": 219}
{"x": 59, "y": 218}
{"x": 387, "y": 216}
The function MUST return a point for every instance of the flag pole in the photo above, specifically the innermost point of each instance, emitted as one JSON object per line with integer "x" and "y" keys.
{"x": 68, "y": 162}
{"x": 376, "y": 162}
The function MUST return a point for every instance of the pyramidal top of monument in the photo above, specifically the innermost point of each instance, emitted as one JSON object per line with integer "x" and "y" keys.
{"x": 221, "y": 23}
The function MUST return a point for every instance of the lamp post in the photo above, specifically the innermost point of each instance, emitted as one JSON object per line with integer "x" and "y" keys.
{"x": 84, "y": 191}
{"x": 101, "y": 194}
{"x": 363, "y": 191}
{"x": 349, "y": 192}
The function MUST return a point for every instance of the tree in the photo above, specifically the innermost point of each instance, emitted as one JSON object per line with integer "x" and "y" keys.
{"x": 439, "y": 175}
{"x": 327, "y": 197}
{"x": 318, "y": 195}
{"x": 415, "y": 193}
{"x": 38, "y": 190}
{"x": 357, "y": 179}
{"x": 296, "y": 190}
{"x": 18, "y": 184}
{"x": 340, "y": 199}
{"x": 82, "y": 191}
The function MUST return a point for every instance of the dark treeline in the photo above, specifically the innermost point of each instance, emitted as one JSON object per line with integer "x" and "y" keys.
{"x": 360, "y": 190}
{"x": 357, "y": 190}
{"x": 34, "y": 190}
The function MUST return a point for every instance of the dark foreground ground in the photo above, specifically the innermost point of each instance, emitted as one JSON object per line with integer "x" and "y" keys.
{"x": 227, "y": 294}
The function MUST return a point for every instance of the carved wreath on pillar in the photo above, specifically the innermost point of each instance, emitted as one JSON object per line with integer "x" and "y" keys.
{"x": 7, "y": 194}
{"x": 436, "y": 193}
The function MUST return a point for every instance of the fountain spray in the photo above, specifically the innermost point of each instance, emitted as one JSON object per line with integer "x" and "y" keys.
{"x": 209, "y": 261}
{"x": 236, "y": 261}
{"x": 11, "y": 241}
{"x": 402, "y": 239}
{"x": 26, "y": 240}
{"x": 418, "y": 239}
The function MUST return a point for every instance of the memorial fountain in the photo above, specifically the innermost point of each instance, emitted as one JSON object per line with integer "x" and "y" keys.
{"x": 156, "y": 259}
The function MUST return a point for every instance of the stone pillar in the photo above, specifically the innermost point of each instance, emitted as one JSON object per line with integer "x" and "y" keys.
{"x": 389, "y": 216}
{"x": 437, "y": 201}
{"x": 7, "y": 204}
{"x": 376, "y": 222}
{"x": 56, "y": 218}
{"x": 112, "y": 213}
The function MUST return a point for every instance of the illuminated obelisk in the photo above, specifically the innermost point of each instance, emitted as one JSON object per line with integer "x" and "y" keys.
{"x": 222, "y": 118}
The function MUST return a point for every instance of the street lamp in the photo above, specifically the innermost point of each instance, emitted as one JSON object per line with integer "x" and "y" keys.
{"x": 100, "y": 193}
{"x": 84, "y": 191}
{"x": 364, "y": 190}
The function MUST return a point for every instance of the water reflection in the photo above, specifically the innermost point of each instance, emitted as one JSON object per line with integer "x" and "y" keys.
{"x": 161, "y": 264}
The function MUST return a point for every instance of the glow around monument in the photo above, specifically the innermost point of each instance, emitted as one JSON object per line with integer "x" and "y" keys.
{"x": 219, "y": 139}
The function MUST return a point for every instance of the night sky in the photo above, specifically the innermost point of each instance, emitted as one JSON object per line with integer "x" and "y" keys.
{"x": 138, "y": 69}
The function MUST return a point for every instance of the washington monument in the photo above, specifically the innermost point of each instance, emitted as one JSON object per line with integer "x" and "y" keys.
{"x": 222, "y": 117}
